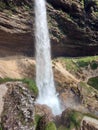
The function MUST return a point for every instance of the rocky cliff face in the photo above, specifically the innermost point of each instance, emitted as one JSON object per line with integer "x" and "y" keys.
{"x": 73, "y": 31}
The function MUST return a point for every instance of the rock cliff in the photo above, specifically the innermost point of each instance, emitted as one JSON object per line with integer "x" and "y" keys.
{"x": 73, "y": 31}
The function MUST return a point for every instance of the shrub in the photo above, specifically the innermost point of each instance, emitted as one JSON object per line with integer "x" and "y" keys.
{"x": 93, "y": 82}
{"x": 50, "y": 126}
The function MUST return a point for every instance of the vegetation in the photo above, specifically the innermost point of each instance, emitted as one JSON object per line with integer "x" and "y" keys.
{"x": 93, "y": 82}
{"x": 74, "y": 118}
{"x": 31, "y": 84}
{"x": 76, "y": 64}
{"x": 37, "y": 120}
{"x": 50, "y": 126}
{"x": 87, "y": 89}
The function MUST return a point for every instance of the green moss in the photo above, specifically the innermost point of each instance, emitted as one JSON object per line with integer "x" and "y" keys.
{"x": 31, "y": 84}
{"x": 76, "y": 64}
{"x": 37, "y": 119}
{"x": 75, "y": 119}
{"x": 93, "y": 82}
{"x": 50, "y": 126}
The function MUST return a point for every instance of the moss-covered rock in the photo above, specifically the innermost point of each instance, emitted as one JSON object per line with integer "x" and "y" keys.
{"x": 31, "y": 83}
{"x": 50, "y": 126}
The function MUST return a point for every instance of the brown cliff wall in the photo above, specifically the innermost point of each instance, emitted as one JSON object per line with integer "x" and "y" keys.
{"x": 72, "y": 31}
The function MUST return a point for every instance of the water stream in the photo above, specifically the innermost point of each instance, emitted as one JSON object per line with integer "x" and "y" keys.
{"x": 44, "y": 73}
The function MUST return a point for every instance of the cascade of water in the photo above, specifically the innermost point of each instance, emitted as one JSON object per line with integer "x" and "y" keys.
{"x": 44, "y": 73}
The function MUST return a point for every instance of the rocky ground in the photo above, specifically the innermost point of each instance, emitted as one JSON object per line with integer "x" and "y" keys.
{"x": 74, "y": 92}
{"x": 18, "y": 111}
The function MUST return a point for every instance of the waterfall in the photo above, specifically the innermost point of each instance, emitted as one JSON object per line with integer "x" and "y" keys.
{"x": 44, "y": 73}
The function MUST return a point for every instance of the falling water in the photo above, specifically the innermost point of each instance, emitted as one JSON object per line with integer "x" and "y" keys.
{"x": 44, "y": 73}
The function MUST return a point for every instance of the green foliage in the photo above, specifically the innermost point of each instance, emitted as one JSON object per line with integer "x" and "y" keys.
{"x": 73, "y": 117}
{"x": 82, "y": 63}
{"x": 94, "y": 65}
{"x": 50, "y": 126}
{"x": 31, "y": 84}
{"x": 93, "y": 82}
{"x": 37, "y": 118}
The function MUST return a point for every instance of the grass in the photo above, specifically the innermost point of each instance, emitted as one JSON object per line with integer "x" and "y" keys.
{"x": 70, "y": 64}
{"x": 87, "y": 89}
{"x": 93, "y": 82}
{"x": 75, "y": 64}
{"x": 31, "y": 84}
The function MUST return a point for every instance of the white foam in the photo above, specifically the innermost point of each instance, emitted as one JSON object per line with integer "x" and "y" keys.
{"x": 44, "y": 73}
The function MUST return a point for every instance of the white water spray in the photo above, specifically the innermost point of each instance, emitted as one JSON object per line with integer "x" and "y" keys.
{"x": 44, "y": 73}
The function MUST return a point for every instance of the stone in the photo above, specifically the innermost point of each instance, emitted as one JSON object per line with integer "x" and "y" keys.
{"x": 18, "y": 111}
{"x": 67, "y": 23}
